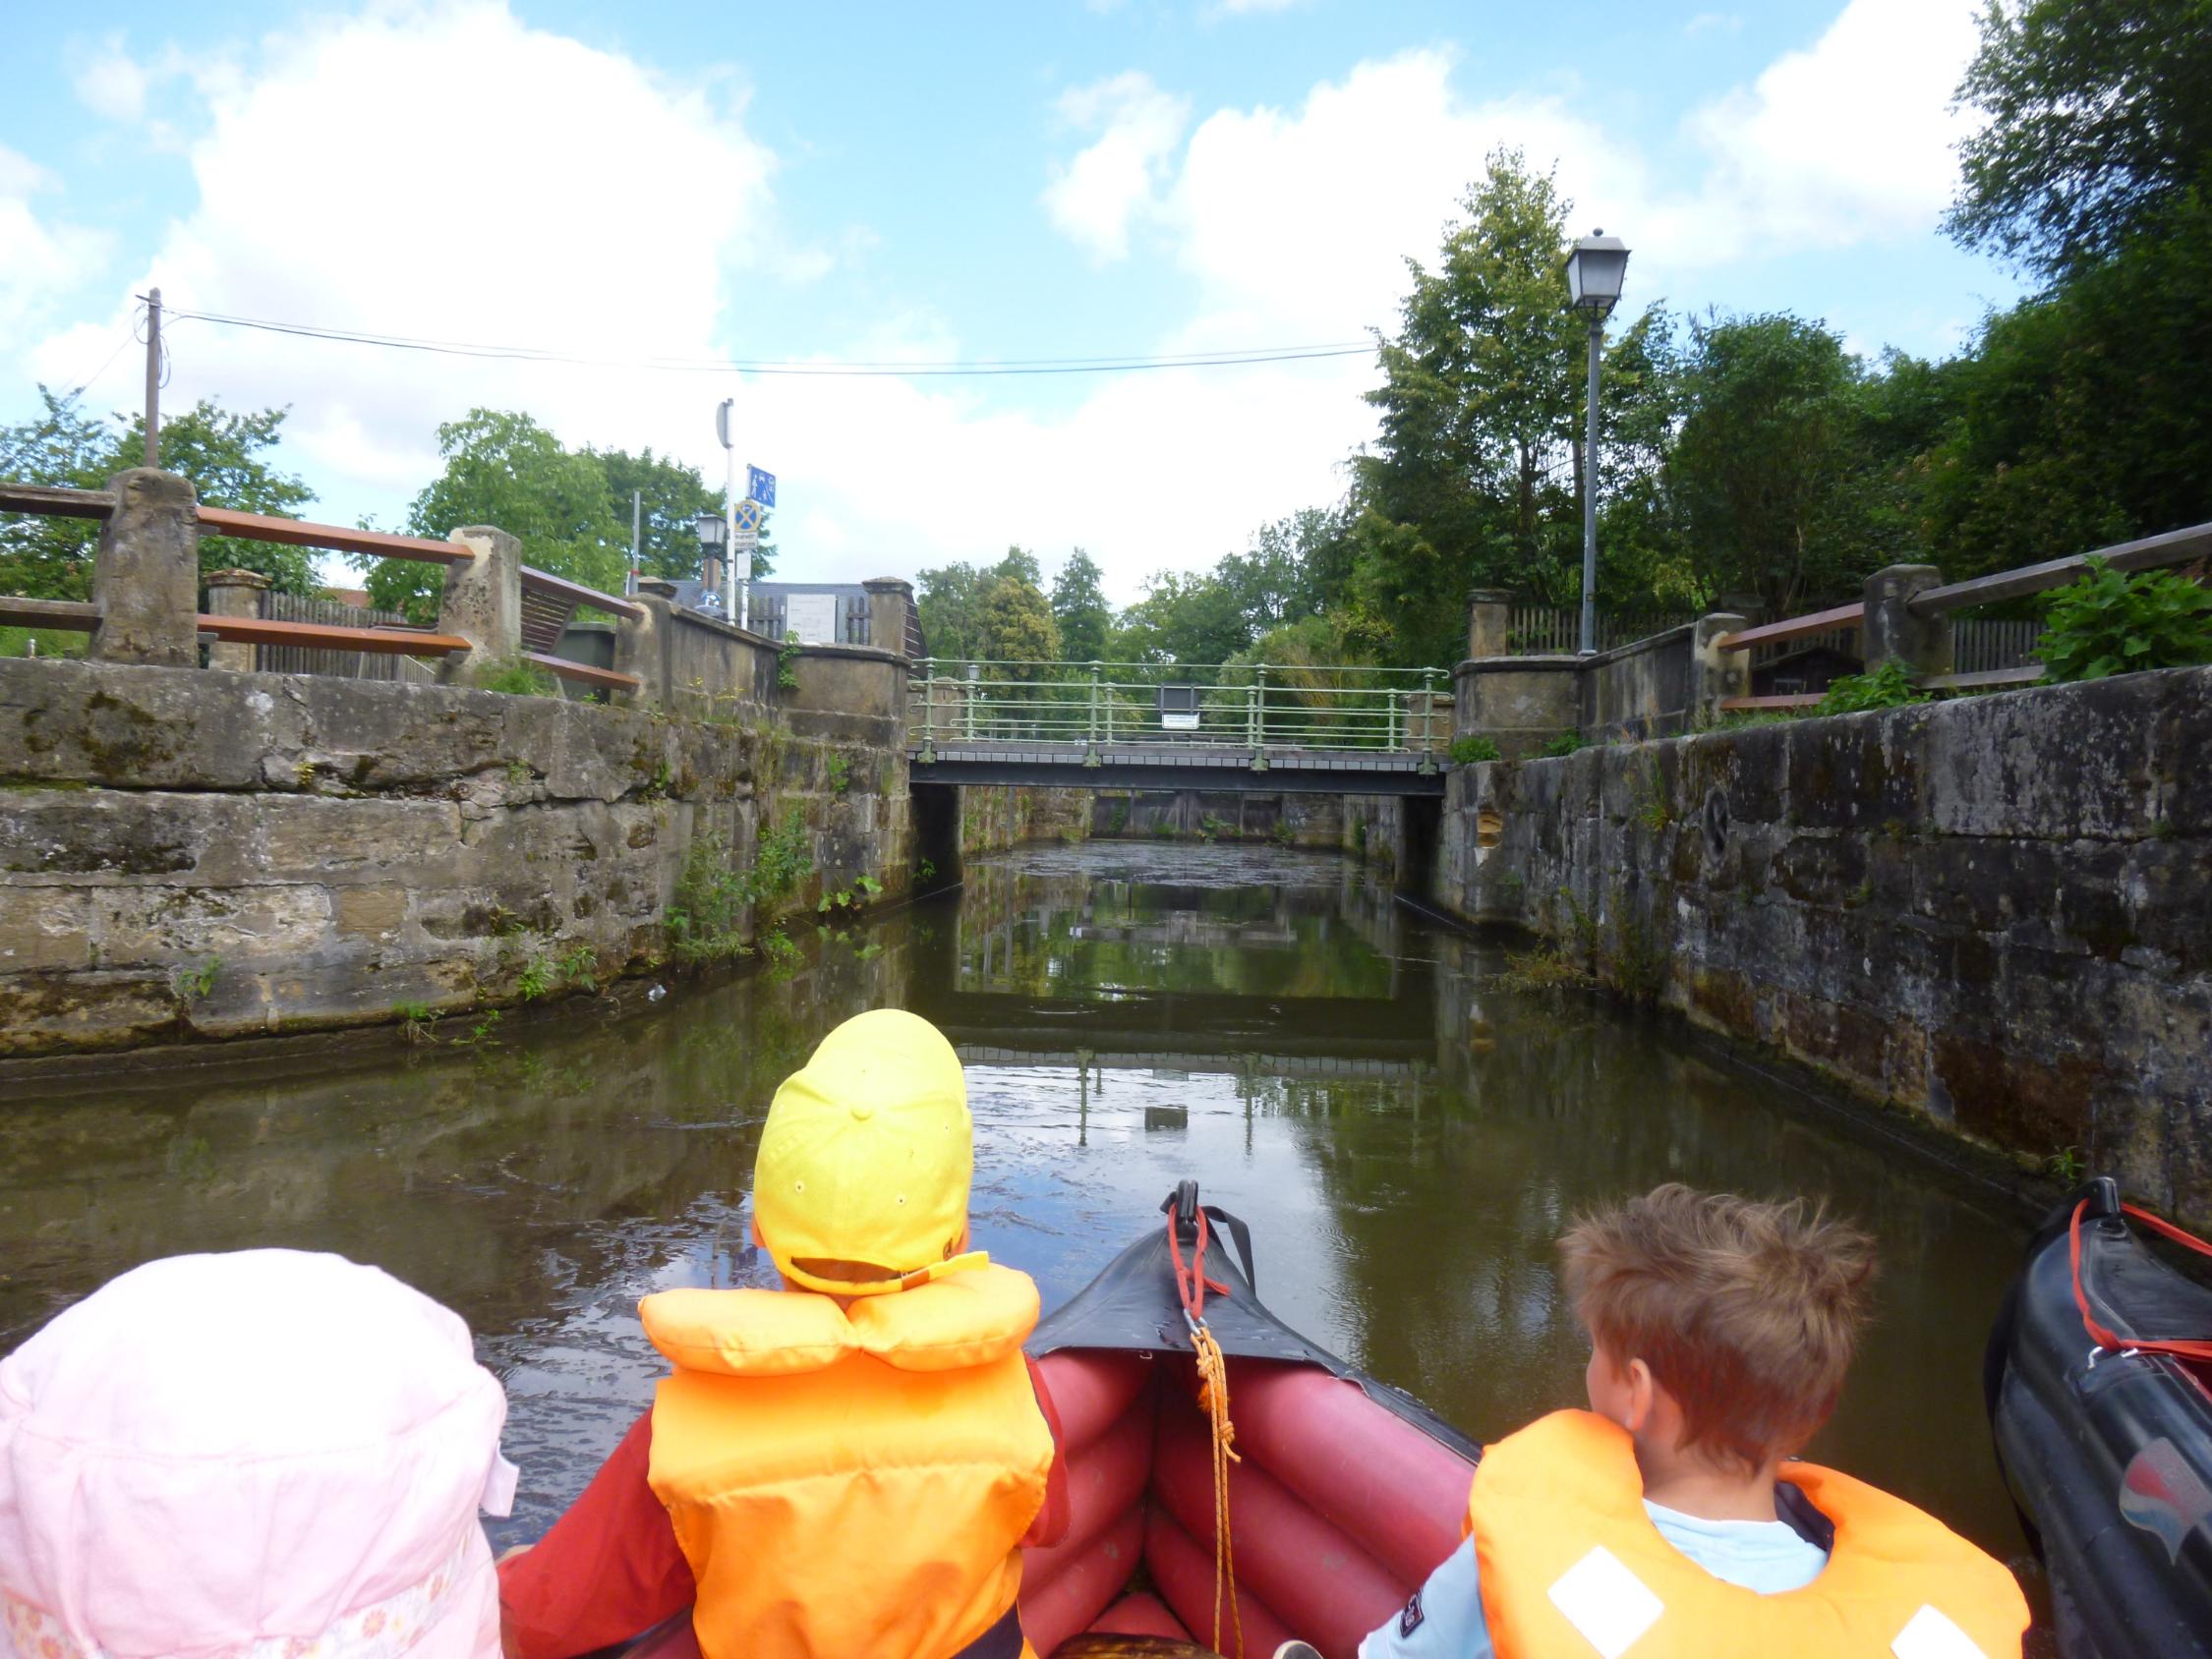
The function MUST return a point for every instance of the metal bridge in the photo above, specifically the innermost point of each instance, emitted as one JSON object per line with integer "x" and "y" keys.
{"x": 1247, "y": 727}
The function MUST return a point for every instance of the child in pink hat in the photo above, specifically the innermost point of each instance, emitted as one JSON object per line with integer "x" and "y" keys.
{"x": 269, "y": 1455}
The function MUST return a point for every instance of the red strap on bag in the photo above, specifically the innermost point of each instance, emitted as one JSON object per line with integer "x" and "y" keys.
{"x": 2180, "y": 1347}
{"x": 1192, "y": 1283}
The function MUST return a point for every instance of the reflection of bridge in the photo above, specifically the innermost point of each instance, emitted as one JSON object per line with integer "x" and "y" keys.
{"x": 1224, "y": 1026}
{"x": 1303, "y": 1067}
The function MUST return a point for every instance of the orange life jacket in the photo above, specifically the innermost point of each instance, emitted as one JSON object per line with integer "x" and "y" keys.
{"x": 1572, "y": 1565}
{"x": 849, "y": 1482}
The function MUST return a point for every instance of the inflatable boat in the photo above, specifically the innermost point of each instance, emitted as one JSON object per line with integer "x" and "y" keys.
{"x": 2096, "y": 1383}
{"x": 1344, "y": 1496}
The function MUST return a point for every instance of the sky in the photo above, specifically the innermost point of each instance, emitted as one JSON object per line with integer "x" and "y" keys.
{"x": 910, "y": 186}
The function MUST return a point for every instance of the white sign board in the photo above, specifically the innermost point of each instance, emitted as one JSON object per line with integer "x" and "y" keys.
{"x": 813, "y": 617}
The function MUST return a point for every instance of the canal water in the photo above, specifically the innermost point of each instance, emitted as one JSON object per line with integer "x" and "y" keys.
{"x": 1406, "y": 1138}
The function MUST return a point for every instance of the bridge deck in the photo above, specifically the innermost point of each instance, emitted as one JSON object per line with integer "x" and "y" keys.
{"x": 1179, "y": 766}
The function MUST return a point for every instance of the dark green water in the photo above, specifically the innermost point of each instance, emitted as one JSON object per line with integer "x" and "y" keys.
{"x": 1406, "y": 1139}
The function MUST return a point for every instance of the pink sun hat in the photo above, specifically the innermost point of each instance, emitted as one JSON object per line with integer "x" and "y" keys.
{"x": 267, "y": 1454}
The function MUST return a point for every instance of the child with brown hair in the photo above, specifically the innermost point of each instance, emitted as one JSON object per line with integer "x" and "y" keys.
{"x": 1671, "y": 1520}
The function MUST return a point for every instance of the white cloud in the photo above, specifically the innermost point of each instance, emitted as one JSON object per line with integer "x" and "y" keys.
{"x": 110, "y": 84}
{"x": 1094, "y": 198}
{"x": 1240, "y": 6}
{"x": 40, "y": 260}
{"x": 509, "y": 196}
{"x": 1848, "y": 140}
{"x": 1725, "y": 22}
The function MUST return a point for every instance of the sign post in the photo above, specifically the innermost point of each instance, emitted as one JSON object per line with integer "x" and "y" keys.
{"x": 745, "y": 520}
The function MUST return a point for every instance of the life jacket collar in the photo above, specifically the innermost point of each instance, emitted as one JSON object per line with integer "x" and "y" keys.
{"x": 963, "y": 1319}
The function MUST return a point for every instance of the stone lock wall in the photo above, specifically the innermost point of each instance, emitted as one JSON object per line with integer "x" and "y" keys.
{"x": 190, "y": 854}
{"x": 1994, "y": 912}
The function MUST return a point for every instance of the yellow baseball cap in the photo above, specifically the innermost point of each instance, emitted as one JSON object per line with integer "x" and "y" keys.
{"x": 861, "y": 1182}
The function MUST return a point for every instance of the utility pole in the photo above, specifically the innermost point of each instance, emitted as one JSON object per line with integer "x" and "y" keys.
{"x": 637, "y": 516}
{"x": 153, "y": 378}
{"x": 728, "y": 509}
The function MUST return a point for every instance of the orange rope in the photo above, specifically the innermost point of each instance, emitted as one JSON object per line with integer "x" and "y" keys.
{"x": 1213, "y": 1395}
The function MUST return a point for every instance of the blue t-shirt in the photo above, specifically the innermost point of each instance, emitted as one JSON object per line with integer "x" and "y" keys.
{"x": 1444, "y": 1620}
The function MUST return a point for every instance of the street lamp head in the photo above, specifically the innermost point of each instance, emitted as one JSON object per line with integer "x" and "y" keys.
{"x": 1596, "y": 269}
{"x": 713, "y": 530}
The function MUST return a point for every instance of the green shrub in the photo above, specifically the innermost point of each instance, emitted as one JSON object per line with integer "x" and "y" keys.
{"x": 786, "y": 662}
{"x": 1565, "y": 744}
{"x": 1889, "y": 686}
{"x": 2110, "y": 623}
{"x": 518, "y": 680}
{"x": 1469, "y": 749}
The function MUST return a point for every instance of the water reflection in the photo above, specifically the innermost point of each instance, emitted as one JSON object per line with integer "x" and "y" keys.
{"x": 1405, "y": 1141}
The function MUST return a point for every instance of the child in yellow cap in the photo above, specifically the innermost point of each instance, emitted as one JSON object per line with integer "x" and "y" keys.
{"x": 847, "y": 1465}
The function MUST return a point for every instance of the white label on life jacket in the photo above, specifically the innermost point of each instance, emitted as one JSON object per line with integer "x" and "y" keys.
{"x": 1928, "y": 1634}
{"x": 1609, "y": 1604}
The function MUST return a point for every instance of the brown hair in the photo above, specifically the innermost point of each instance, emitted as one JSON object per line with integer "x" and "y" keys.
{"x": 1745, "y": 1312}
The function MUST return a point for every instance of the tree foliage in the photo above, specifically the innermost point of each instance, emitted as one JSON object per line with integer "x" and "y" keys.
{"x": 224, "y": 452}
{"x": 502, "y": 468}
{"x": 1080, "y": 610}
{"x": 2099, "y": 123}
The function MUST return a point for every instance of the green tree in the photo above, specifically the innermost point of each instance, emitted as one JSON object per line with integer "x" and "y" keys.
{"x": 948, "y": 602}
{"x": 223, "y": 452}
{"x": 1769, "y": 470}
{"x": 674, "y": 495}
{"x": 1014, "y": 619}
{"x": 1184, "y": 617}
{"x": 1080, "y": 610}
{"x": 503, "y": 469}
{"x": 2100, "y": 122}
{"x": 1475, "y": 476}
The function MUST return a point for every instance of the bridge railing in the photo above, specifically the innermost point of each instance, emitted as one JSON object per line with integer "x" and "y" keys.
{"x": 1907, "y": 613}
{"x": 1227, "y": 704}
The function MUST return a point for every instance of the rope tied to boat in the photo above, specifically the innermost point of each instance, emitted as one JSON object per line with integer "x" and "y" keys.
{"x": 2103, "y": 1336}
{"x": 1190, "y": 1287}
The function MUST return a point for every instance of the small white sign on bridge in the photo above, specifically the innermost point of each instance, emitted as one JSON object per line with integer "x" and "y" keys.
{"x": 813, "y": 617}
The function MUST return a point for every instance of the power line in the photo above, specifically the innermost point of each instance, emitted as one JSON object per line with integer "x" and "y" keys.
{"x": 1100, "y": 365}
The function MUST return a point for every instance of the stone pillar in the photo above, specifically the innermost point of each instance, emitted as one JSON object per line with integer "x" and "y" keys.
{"x": 890, "y": 602}
{"x": 1487, "y": 612}
{"x": 641, "y": 648}
{"x": 483, "y": 604}
{"x": 146, "y": 573}
{"x": 234, "y": 593}
{"x": 1892, "y": 630}
{"x": 1716, "y": 674}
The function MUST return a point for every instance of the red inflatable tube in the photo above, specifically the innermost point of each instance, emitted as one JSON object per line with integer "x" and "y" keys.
{"x": 1182, "y": 1571}
{"x": 1090, "y": 1391}
{"x": 1084, "y": 1587}
{"x": 1105, "y": 1480}
{"x": 1370, "y": 1474}
{"x": 1306, "y": 1568}
{"x": 1141, "y": 1614}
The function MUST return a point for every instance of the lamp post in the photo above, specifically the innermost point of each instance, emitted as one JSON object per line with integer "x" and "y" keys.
{"x": 714, "y": 535}
{"x": 723, "y": 424}
{"x": 1596, "y": 267}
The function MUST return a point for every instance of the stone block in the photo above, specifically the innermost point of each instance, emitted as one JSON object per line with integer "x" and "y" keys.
{"x": 1857, "y": 772}
{"x": 345, "y": 841}
{"x": 2181, "y": 753}
{"x": 482, "y": 602}
{"x": 2058, "y": 762}
{"x": 51, "y": 1012}
{"x": 146, "y": 572}
{"x": 372, "y": 913}
{"x": 45, "y": 930}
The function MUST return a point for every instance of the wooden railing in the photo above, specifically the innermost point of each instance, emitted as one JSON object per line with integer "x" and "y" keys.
{"x": 549, "y": 602}
{"x": 2150, "y": 552}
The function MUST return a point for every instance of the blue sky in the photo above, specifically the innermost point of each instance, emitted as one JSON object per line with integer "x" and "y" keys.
{"x": 886, "y": 183}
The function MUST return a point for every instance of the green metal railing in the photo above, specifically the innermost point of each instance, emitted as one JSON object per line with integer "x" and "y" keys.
{"x": 1227, "y": 704}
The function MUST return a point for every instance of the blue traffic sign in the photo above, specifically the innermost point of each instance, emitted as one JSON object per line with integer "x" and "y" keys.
{"x": 760, "y": 486}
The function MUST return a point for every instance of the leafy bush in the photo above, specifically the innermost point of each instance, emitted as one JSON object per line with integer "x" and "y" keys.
{"x": 1889, "y": 686}
{"x": 519, "y": 679}
{"x": 2110, "y": 623}
{"x": 1467, "y": 750}
{"x": 1565, "y": 744}
{"x": 706, "y": 915}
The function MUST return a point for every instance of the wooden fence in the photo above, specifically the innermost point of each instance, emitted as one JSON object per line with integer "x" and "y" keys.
{"x": 1543, "y": 630}
{"x": 345, "y": 665}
